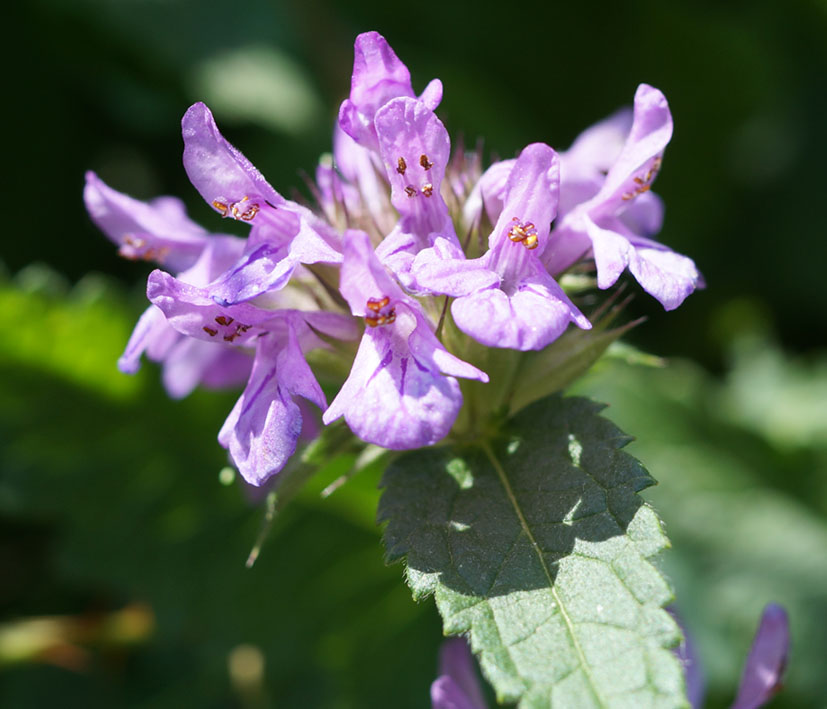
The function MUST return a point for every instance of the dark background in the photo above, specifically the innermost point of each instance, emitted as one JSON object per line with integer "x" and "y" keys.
{"x": 108, "y": 494}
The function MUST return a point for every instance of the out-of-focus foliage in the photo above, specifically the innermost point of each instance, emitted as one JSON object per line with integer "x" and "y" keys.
{"x": 109, "y": 493}
{"x": 744, "y": 500}
{"x": 110, "y": 496}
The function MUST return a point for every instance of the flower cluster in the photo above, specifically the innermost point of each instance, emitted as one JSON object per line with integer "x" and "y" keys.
{"x": 397, "y": 236}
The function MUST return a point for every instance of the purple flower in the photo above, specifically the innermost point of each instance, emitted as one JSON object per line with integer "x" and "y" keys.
{"x": 457, "y": 686}
{"x": 401, "y": 392}
{"x": 764, "y": 667}
{"x": 616, "y": 222}
{"x": 265, "y": 424}
{"x": 766, "y": 661}
{"x": 160, "y": 231}
{"x": 284, "y": 233}
{"x": 362, "y": 167}
{"x": 415, "y": 149}
{"x": 229, "y": 308}
{"x": 378, "y": 77}
{"x": 687, "y": 654}
{"x": 263, "y": 428}
{"x": 506, "y": 298}
{"x": 488, "y": 193}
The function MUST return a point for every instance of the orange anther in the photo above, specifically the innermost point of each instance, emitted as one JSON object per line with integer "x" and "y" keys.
{"x": 376, "y": 304}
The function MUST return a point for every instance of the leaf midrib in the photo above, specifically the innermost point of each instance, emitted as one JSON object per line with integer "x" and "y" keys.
{"x": 569, "y": 624}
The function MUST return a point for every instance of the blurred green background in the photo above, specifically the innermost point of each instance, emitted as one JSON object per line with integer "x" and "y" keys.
{"x": 113, "y": 521}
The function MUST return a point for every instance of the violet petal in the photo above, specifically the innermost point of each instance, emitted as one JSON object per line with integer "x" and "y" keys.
{"x": 767, "y": 660}
{"x": 264, "y": 426}
{"x": 158, "y": 231}
{"x": 456, "y": 663}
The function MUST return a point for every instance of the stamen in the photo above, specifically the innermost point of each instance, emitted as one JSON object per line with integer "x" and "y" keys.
{"x": 134, "y": 241}
{"x": 134, "y": 248}
{"x": 401, "y": 166}
{"x": 526, "y": 234}
{"x": 426, "y": 164}
{"x": 427, "y": 189}
{"x": 644, "y": 184}
{"x": 248, "y": 214}
{"x": 376, "y": 305}
{"x": 234, "y": 210}
{"x": 377, "y": 317}
{"x": 410, "y": 190}
{"x": 226, "y": 321}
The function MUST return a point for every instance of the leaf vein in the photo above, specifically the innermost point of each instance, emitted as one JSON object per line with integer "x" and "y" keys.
{"x": 569, "y": 625}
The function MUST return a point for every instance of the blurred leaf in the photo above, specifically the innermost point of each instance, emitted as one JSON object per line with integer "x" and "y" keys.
{"x": 743, "y": 515}
{"x": 125, "y": 490}
{"x": 70, "y": 333}
{"x": 260, "y": 84}
{"x": 782, "y": 399}
{"x": 539, "y": 547}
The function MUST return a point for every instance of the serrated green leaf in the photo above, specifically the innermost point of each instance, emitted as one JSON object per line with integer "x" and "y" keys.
{"x": 537, "y": 546}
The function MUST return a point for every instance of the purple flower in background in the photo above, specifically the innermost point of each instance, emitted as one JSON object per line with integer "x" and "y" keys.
{"x": 506, "y": 298}
{"x": 401, "y": 392}
{"x": 158, "y": 231}
{"x": 763, "y": 669}
{"x": 615, "y": 224}
{"x": 693, "y": 672}
{"x": 457, "y": 686}
{"x": 767, "y": 660}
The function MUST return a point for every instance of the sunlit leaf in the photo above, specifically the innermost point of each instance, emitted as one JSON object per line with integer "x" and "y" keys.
{"x": 539, "y": 548}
